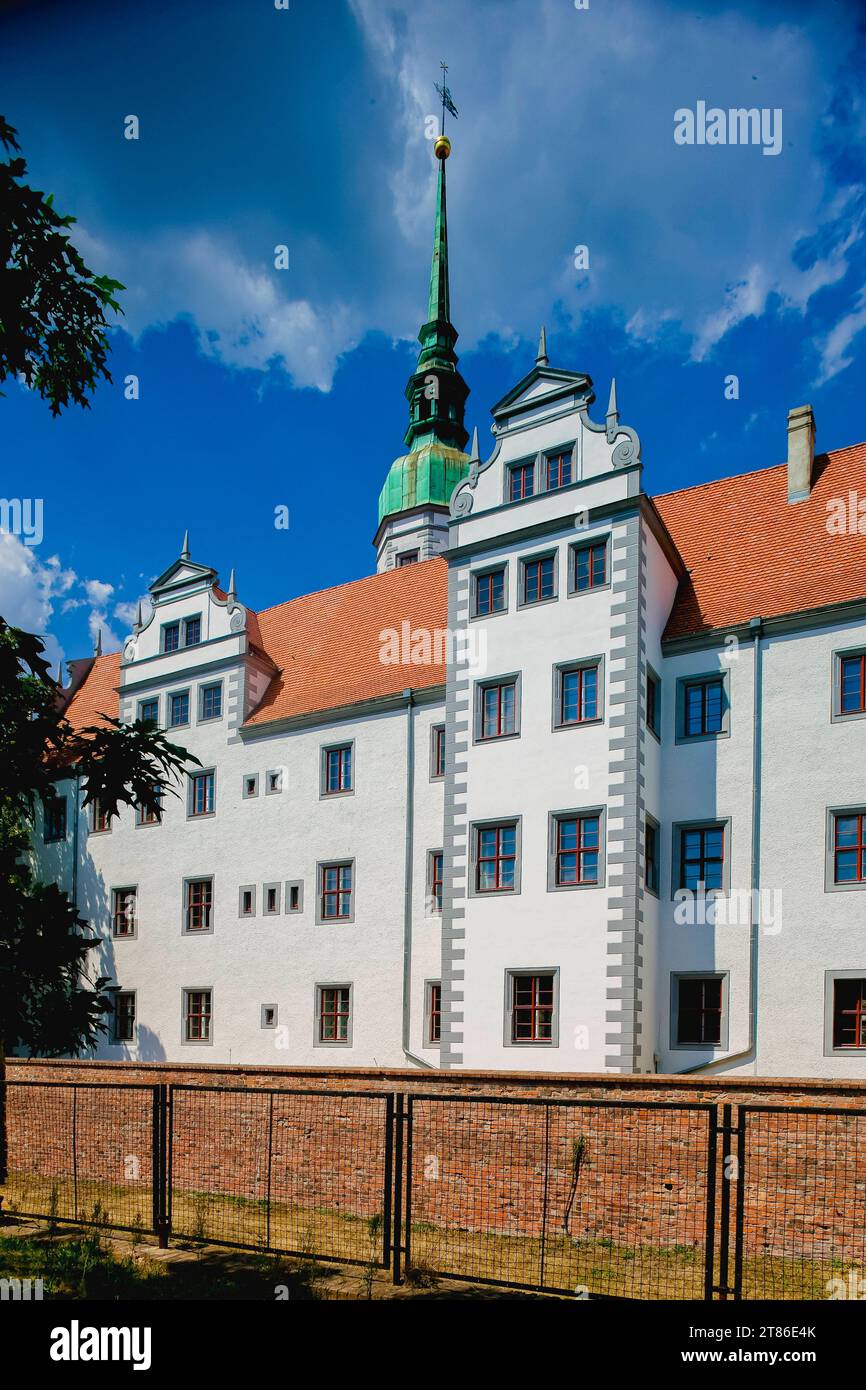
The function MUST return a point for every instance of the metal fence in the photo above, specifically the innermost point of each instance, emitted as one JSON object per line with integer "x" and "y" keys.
{"x": 586, "y": 1198}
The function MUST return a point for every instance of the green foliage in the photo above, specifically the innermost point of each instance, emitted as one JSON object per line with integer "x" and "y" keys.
{"x": 52, "y": 306}
{"x": 48, "y": 1002}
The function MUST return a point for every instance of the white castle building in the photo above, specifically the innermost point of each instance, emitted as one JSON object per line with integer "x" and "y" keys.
{"x": 574, "y": 782}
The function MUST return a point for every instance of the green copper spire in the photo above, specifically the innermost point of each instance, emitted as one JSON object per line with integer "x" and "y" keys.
{"x": 436, "y": 391}
{"x": 439, "y": 298}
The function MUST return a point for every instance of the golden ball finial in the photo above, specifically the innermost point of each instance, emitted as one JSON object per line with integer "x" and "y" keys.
{"x": 442, "y": 148}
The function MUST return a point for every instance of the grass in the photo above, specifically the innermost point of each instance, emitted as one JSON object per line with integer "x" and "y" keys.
{"x": 602, "y": 1266}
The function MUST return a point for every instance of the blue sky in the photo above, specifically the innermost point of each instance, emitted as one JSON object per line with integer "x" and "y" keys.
{"x": 306, "y": 127}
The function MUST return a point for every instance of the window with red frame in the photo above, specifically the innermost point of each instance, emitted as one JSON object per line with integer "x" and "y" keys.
{"x": 338, "y": 770}
{"x": 699, "y": 1011}
{"x": 703, "y": 708}
{"x": 577, "y": 850}
{"x": 489, "y": 592}
{"x": 434, "y": 1012}
{"x": 199, "y": 904}
{"x": 198, "y": 1015}
{"x": 539, "y": 579}
{"x": 498, "y": 712}
{"x": 496, "y": 858}
{"x": 202, "y": 794}
{"x": 438, "y": 759}
{"x": 559, "y": 470}
{"x": 123, "y": 912}
{"x": 852, "y": 684}
{"x": 54, "y": 826}
{"x": 532, "y": 1008}
{"x": 336, "y": 891}
{"x": 148, "y": 815}
{"x": 849, "y": 849}
{"x": 99, "y": 817}
{"x": 334, "y": 1011}
{"x": 578, "y": 695}
{"x": 437, "y": 859}
{"x": 522, "y": 481}
{"x": 590, "y": 566}
{"x": 849, "y": 1013}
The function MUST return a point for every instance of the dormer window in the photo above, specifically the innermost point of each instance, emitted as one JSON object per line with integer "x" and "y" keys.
{"x": 171, "y": 637}
{"x": 558, "y": 470}
{"x": 192, "y": 632}
{"x": 521, "y": 481}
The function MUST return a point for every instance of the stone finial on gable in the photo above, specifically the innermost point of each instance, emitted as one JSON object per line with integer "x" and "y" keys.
{"x": 184, "y": 550}
{"x": 542, "y": 359}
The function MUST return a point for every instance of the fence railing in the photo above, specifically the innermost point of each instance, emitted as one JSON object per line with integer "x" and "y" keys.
{"x": 587, "y": 1198}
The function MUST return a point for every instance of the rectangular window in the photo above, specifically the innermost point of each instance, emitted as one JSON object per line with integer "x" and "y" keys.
{"x": 100, "y": 820}
{"x": 703, "y": 707}
{"x": 199, "y": 904}
{"x": 148, "y": 711}
{"x": 699, "y": 1011}
{"x": 274, "y": 782}
{"x": 192, "y": 632}
{"x": 497, "y": 709}
{"x": 211, "y": 701}
{"x": 558, "y": 470}
{"x": 578, "y": 694}
{"x": 202, "y": 797}
{"x": 437, "y": 860}
{"x": 124, "y": 1016}
{"x": 197, "y": 1015}
{"x": 702, "y": 858}
{"x": 589, "y": 566}
{"x": 251, "y": 785}
{"x": 437, "y": 752}
{"x": 178, "y": 709}
{"x": 269, "y": 1015}
{"x": 852, "y": 684}
{"x": 532, "y": 1008}
{"x": 54, "y": 823}
{"x": 489, "y": 592}
{"x": 849, "y": 848}
{"x": 338, "y": 770}
{"x": 577, "y": 850}
{"x": 334, "y": 1013}
{"x": 294, "y": 896}
{"x": 149, "y": 815}
{"x": 408, "y": 557}
{"x": 653, "y": 703}
{"x": 247, "y": 902}
{"x": 849, "y": 1013}
{"x": 123, "y": 904}
{"x": 434, "y": 1012}
{"x": 272, "y": 898}
{"x": 538, "y": 579}
{"x": 171, "y": 637}
{"x": 651, "y": 856}
{"x": 335, "y": 890}
{"x": 521, "y": 481}
{"x": 496, "y": 858}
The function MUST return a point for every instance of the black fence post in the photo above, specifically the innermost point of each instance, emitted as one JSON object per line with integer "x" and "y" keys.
{"x": 398, "y": 1185}
{"x": 388, "y": 1195}
{"x": 159, "y": 1166}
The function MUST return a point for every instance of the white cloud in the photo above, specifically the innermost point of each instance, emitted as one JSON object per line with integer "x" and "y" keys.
{"x": 243, "y": 314}
{"x": 28, "y": 588}
{"x": 834, "y": 346}
{"x": 98, "y": 592}
{"x": 127, "y": 612}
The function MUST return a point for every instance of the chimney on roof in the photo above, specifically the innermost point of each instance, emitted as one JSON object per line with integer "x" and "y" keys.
{"x": 801, "y": 452}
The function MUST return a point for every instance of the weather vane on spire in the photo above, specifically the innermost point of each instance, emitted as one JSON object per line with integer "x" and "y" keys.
{"x": 442, "y": 148}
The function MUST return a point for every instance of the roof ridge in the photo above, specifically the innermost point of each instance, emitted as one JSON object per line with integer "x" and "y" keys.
{"x": 752, "y": 472}
{"x": 348, "y": 584}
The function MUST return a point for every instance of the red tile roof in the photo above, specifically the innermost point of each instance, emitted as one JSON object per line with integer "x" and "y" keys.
{"x": 97, "y": 693}
{"x": 327, "y": 646}
{"x": 750, "y": 553}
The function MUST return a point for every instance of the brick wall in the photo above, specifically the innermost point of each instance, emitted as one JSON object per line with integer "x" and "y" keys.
{"x": 636, "y": 1174}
